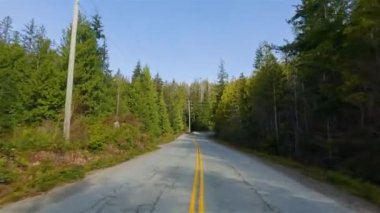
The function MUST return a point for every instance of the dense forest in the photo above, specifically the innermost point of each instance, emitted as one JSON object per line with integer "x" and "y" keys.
{"x": 315, "y": 99}
{"x": 33, "y": 69}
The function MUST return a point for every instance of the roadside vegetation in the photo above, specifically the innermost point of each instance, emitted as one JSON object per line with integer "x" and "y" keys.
{"x": 37, "y": 158}
{"x": 359, "y": 187}
{"x": 315, "y": 100}
{"x": 114, "y": 118}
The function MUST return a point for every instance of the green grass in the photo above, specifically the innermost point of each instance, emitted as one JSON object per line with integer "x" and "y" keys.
{"x": 41, "y": 179}
{"x": 33, "y": 180}
{"x": 361, "y": 188}
{"x": 6, "y": 175}
{"x": 52, "y": 177}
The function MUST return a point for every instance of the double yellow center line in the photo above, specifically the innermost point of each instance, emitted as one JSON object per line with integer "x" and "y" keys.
{"x": 198, "y": 185}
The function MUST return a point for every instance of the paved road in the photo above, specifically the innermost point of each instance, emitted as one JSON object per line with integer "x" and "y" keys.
{"x": 185, "y": 177}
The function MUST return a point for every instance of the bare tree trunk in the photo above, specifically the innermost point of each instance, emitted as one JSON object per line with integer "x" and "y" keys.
{"x": 296, "y": 129}
{"x": 329, "y": 138}
{"x": 275, "y": 116}
{"x": 370, "y": 105}
{"x": 305, "y": 120}
{"x": 361, "y": 117}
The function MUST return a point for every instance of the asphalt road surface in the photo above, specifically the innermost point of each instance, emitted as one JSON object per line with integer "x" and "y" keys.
{"x": 193, "y": 174}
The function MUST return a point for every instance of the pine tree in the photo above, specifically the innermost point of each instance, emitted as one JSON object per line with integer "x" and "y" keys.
{"x": 164, "y": 116}
{"x": 12, "y": 58}
{"x": 175, "y": 98}
{"x": 137, "y": 72}
{"x": 144, "y": 100}
{"x": 6, "y": 29}
{"x": 222, "y": 81}
{"x": 46, "y": 85}
{"x": 91, "y": 84}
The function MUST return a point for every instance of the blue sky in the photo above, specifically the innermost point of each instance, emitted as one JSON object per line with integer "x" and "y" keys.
{"x": 180, "y": 39}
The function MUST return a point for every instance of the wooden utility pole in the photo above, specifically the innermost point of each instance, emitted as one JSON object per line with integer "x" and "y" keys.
{"x": 189, "y": 108}
{"x": 118, "y": 82}
{"x": 70, "y": 73}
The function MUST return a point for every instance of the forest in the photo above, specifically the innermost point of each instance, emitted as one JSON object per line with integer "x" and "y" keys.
{"x": 315, "y": 100}
{"x": 34, "y": 155}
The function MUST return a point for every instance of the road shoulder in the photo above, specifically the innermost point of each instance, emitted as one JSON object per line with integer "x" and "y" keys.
{"x": 353, "y": 202}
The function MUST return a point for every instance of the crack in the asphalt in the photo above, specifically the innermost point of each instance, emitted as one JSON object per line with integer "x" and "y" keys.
{"x": 156, "y": 201}
{"x": 137, "y": 209}
{"x": 100, "y": 203}
{"x": 119, "y": 188}
{"x": 105, "y": 201}
{"x": 154, "y": 173}
{"x": 171, "y": 186}
{"x": 252, "y": 187}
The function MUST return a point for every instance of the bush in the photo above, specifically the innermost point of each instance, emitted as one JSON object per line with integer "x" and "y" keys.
{"x": 6, "y": 175}
{"x": 99, "y": 136}
{"x": 35, "y": 159}
{"x": 50, "y": 177}
{"x": 96, "y": 145}
{"x": 102, "y": 133}
{"x": 29, "y": 138}
{"x": 358, "y": 187}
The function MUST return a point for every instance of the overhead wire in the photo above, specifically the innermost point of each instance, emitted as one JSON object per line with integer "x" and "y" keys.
{"x": 111, "y": 40}
{"x": 108, "y": 38}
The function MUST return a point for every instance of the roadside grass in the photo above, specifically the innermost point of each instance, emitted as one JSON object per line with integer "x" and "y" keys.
{"x": 37, "y": 160}
{"x": 358, "y": 187}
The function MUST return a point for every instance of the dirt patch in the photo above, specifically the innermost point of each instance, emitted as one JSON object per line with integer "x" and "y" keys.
{"x": 69, "y": 158}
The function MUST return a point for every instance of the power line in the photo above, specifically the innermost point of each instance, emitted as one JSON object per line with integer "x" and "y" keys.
{"x": 94, "y": 5}
{"x": 83, "y": 10}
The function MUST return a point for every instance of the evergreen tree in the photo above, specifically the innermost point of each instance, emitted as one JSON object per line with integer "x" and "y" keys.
{"x": 12, "y": 61}
{"x": 222, "y": 81}
{"x": 137, "y": 72}
{"x": 175, "y": 98}
{"x": 145, "y": 99}
{"x": 6, "y": 29}
{"x": 164, "y": 116}
{"x": 91, "y": 84}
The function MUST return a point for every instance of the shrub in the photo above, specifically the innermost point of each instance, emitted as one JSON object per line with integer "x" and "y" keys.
{"x": 31, "y": 138}
{"x": 6, "y": 175}
{"x": 96, "y": 145}
{"x": 51, "y": 177}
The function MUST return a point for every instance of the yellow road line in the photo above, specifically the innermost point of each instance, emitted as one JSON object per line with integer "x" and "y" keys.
{"x": 201, "y": 204}
{"x": 197, "y": 182}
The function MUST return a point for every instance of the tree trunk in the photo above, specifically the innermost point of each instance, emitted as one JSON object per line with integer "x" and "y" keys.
{"x": 329, "y": 138}
{"x": 370, "y": 105}
{"x": 361, "y": 117}
{"x": 275, "y": 117}
{"x": 306, "y": 122}
{"x": 296, "y": 129}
